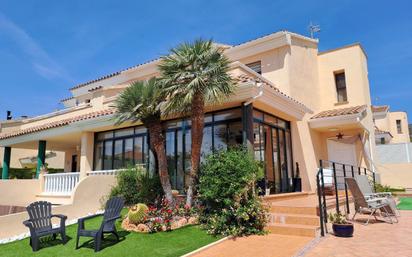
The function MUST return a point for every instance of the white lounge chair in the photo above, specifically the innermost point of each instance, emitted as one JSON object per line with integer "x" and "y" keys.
{"x": 371, "y": 205}
{"x": 368, "y": 192}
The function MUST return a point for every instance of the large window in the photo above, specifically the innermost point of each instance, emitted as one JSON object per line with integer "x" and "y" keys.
{"x": 273, "y": 146}
{"x": 399, "y": 126}
{"x": 121, "y": 148}
{"x": 340, "y": 82}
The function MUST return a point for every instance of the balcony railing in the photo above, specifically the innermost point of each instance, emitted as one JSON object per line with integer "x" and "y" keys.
{"x": 102, "y": 172}
{"x": 60, "y": 183}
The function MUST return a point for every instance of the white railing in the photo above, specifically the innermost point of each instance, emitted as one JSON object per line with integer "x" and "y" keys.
{"x": 109, "y": 172}
{"x": 60, "y": 183}
{"x": 102, "y": 172}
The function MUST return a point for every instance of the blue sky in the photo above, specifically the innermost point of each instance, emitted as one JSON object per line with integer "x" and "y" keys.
{"x": 47, "y": 47}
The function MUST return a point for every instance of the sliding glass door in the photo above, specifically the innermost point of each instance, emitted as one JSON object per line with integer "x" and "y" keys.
{"x": 272, "y": 146}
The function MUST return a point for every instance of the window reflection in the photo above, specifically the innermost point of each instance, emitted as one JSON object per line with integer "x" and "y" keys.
{"x": 272, "y": 145}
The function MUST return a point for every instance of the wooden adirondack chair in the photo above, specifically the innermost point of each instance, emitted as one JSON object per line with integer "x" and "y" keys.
{"x": 40, "y": 223}
{"x": 112, "y": 212}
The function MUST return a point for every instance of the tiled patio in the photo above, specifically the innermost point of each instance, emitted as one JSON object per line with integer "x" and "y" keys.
{"x": 257, "y": 246}
{"x": 377, "y": 239}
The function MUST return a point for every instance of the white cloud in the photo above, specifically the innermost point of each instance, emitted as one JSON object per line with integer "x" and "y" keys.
{"x": 41, "y": 61}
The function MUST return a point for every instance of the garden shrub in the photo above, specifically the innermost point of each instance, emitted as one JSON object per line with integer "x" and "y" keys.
{"x": 385, "y": 188}
{"x": 136, "y": 185}
{"x": 227, "y": 191}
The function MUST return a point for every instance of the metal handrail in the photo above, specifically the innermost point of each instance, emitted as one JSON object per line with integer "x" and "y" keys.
{"x": 338, "y": 174}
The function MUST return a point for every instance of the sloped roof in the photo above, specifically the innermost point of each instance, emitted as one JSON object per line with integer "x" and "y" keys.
{"x": 247, "y": 78}
{"x": 340, "y": 112}
{"x": 156, "y": 59}
{"x": 380, "y": 132}
{"x": 60, "y": 123}
{"x": 379, "y": 108}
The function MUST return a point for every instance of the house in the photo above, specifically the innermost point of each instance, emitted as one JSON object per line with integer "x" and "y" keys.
{"x": 293, "y": 105}
{"x": 393, "y": 146}
{"x": 390, "y": 127}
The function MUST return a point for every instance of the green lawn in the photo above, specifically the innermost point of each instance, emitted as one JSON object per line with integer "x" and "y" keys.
{"x": 405, "y": 203}
{"x": 175, "y": 243}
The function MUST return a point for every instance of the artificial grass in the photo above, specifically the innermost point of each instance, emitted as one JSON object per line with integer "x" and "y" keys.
{"x": 405, "y": 203}
{"x": 162, "y": 244}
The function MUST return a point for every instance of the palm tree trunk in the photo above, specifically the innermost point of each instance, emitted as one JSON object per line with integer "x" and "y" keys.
{"x": 198, "y": 124}
{"x": 157, "y": 142}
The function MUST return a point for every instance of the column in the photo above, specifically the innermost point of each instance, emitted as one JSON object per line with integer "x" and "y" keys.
{"x": 6, "y": 162}
{"x": 41, "y": 157}
{"x": 86, "y": 153}
{"x": 247, "y": 122}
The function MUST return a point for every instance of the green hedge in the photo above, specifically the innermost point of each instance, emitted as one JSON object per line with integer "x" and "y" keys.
{"x": 22, "y": 173}
{"x": 229, "y": 196}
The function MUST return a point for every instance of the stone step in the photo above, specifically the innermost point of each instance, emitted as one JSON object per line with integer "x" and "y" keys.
{"x": 292, "y": 229}
{"x": 286, "y": 196}
{"x": 300, "y": 219}
{"x": 293, "y": 210}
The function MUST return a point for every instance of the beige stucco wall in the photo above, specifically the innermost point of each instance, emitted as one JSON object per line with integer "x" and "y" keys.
{"x": 18, "y": 192}
{"x": 353, "y": 61}
{"x": 88, "y": 198}
{"x": 396, "y": 175}
{"x": 399, "y": 137}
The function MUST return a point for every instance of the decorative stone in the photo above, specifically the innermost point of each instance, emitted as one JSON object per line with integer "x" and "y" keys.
{"x": 142, "y": 228}
{"x": 193, "y": 220}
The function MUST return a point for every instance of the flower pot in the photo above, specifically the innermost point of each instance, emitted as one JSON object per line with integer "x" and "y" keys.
{"x": 343, "y": 230}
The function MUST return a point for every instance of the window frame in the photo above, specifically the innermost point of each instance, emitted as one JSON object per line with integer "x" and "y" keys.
{"x": 399, "y": 126}
{"x": 340, "y": 91}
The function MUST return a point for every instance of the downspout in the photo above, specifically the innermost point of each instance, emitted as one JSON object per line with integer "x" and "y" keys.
{"x": 371, "y": 153}
{"x": 259, "y": 94}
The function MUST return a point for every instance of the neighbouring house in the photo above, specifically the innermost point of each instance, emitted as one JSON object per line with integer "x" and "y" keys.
{"x": 390, "y": 127}
{"x": 293, "y": 104}
{"x": 394, "y": 148}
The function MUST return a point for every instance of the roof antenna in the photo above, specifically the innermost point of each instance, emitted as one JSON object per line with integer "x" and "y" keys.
{"x": 313, "y": 29}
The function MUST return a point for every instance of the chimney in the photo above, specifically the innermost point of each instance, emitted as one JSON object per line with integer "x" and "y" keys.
{"x": 9, "y": 117}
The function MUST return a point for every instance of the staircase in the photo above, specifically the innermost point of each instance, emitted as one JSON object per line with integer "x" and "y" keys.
{"x": 293, "y": 214}
{"x": 297, "y": 214}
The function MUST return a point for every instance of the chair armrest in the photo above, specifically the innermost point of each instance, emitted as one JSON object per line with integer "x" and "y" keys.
{"x": 28, "y": 223}
{"x": 114, "y": 218}
{"x": 60, "y": 216}
{"x": 81, "y": 221}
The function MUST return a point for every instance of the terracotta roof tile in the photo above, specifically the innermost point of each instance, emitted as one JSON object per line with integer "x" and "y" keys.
{"x": 381, "y": 108}
{"x": 340, "y": 112}
{"x": 112, "y": 74}
{"x": 380, "y": 132}
{"x": 95, "y": 88}
{"x": 66, "y": 99}
{"x": 60, "y": 123}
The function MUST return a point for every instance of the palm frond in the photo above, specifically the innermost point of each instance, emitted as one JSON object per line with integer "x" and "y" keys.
{"x": 194, "y": 68}
{"x": 139, "y": 102}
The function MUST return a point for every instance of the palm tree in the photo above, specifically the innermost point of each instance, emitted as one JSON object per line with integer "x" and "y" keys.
{"x": 193, "y": 75}
{"x": 140, "y": 102}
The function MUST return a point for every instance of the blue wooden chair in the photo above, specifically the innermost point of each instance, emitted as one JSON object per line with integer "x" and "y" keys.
{"x": 112, "y": 212}
{"x": 40, "y": 223}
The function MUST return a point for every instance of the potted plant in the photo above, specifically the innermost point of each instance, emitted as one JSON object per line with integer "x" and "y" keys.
{"x": 297, "y": 181}
{"x": 341, "y": 227}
